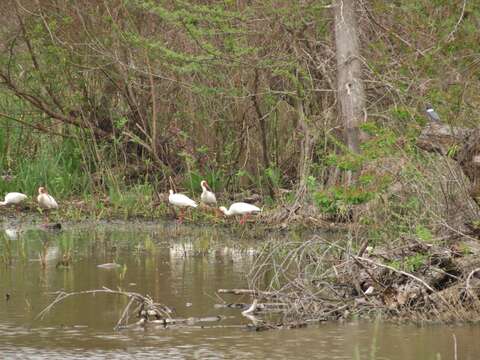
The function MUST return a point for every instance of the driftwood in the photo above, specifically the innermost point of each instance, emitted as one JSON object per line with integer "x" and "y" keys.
{"x": 150, "y": 313}
{"x": 264, "y": 294}
{"x": 146, "y": 308}
{"x": 182, "y": 321}
{"x": 270, "y": 307}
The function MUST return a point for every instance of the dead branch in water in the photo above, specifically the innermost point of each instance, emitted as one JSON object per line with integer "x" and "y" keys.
{"x": 237, "y": 291}
{"x": 146, "y": 307}
{"x": 266, "y": 294}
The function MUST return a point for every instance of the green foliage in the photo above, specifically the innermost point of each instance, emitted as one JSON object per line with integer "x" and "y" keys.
{"x": 423, "y": 233}
{"x": 274, "y": 176}
{"x": 134, "y": 200}
{"x": 410, "y": 263}
{"x": 58, "y": 166}
{"x": 339, "y": 199}
{"x": 213, "y": 177}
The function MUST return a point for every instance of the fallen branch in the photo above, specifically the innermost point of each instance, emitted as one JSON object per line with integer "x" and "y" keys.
{"x": 247, "y": 292}
{"x": 469, "y": 277}
{"x": 260, "y": 306}
{"x": 145, "y": 309}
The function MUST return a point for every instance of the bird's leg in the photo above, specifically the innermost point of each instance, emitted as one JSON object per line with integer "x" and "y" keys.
{"x": 181, "y": 216}
{"x": 46, "y": 217}
{"x": 246, "y": 217}
{"x": 243, "y": 219}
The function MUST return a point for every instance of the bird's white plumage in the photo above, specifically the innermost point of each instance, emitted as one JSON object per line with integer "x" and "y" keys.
{"x": 11, "y": 233}
{"x": 13, "y": 198}
{"x": 181, "y": 200}
{"x": 46, "y": 201}
{"x": 207, "y": 197}
{"x": 240, "y": 208}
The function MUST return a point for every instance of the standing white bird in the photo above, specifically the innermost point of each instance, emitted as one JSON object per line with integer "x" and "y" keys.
{"x": 181, "y": 201}
{"x": 240, "y": 208}
{"x": 207, "y": 197}
{"x": 13, "y": 198}
{"x": 11, "y": 233}
{"x": 46, "y": 201}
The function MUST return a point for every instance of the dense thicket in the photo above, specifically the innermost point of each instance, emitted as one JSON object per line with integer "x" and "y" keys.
{"x": 101, "y": 94}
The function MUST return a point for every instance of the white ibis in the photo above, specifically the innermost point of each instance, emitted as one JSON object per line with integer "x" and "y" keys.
{"x": 11, "y": 233}
{"x": 46, "y": 201}
{"x": 240, "y": 208}
{"x": 13, "y": 198}
{"x": 181, "y": 201}
{"x": 207, "y": 197}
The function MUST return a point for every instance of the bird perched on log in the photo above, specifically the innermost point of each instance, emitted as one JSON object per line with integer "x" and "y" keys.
{"x": 432, "y": 114}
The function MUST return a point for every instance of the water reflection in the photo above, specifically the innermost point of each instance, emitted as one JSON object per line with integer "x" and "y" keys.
{"x": 181, "y": 267}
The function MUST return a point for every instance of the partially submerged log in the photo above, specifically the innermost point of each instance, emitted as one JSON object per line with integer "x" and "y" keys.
{"x": 265, "y": 294}
{"x": 270, "y": 307}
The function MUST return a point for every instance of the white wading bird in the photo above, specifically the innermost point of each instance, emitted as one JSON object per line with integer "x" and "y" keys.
{"x": 207, "y": 197}
{"x": 240, "y": 208}
{"x": 11, "y": 233}
{"x": 46, "y": 201}
{"x": 13, "y": 198}
{"x": 181, "y": 201}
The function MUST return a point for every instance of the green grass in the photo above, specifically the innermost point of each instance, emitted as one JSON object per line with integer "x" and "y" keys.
{"x": 58, "y": 166}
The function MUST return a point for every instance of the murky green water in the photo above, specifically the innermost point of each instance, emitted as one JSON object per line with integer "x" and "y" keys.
{"x": 181, "y": 267}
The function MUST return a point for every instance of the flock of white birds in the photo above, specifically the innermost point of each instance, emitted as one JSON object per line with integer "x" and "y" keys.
{"x": 47, "y": 202}
{"x": 44, "y": 199}
{"x": 208, "y": 198}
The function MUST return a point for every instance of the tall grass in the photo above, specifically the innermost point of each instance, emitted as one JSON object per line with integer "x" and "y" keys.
{"x": 40, "y": 160}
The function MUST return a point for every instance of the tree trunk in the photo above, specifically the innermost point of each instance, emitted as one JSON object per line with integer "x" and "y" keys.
{"x": 263, "y": 133}
{"x": 350, "y": 90}
{"x": 306, "y": 149}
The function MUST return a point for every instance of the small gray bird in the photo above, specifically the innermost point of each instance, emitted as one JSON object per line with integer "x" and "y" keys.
{"x": 432, "y": 114}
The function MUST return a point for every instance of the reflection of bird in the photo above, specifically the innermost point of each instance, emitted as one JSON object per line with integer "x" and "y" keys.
{"x": 252, "y": 308}
{"x": 181, "y": 201}
{"x": 46, "y": 201}
{"x": 13, "y": 198}
{"x": 432, "y": 114}
{"x": 207, "y": 197}
{"x": 240, "y": 208}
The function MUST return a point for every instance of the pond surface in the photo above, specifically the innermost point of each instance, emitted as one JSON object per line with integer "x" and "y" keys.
{"x": 182, "y": 267}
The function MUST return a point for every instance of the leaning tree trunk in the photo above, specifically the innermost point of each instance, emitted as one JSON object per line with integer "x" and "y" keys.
{"x": 350, "y": 91}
